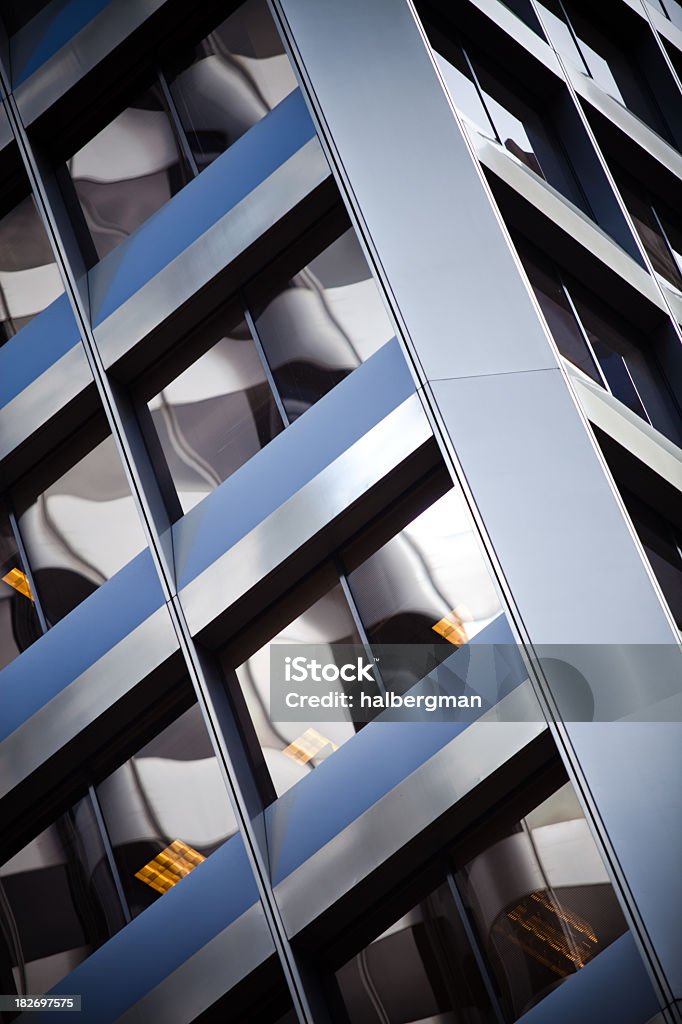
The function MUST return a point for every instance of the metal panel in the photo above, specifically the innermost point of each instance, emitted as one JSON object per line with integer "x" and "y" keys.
{"x": 432, "y": 789}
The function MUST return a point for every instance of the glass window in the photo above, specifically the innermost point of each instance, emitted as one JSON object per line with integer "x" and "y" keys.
{"x": 231, "y": 80}
{"x": 29, "y": 277}
{"x": 601, "y": 343}
{"x": 416, "y": 578}
{"x": 494, "y": 105}
{"x": 660, "y": 235}
{"x": 292, "y": 749}
{"x": 541, "y": 901}
{"x": 531, "y": 908}
{"x": 19, "y": 625}
{"x": 662, "y": 541}
{"x": 78, "y": 523}
{"x": 165, "y": 810}
{"x": 17, "y": 13}
{"x": 128, "y": 171}
{"x": 62, "y": 896}
{"x": 428, "y": 585}
{"x": 322, "y": 324}
{"x": 58, "y": 903}
{"x": 217, "y": 413}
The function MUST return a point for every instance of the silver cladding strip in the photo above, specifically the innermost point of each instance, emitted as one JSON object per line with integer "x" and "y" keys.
{"x": 295, "y": 522}
{"x": 44, "y": 397}
{"x": 207, "y": 975}
{"x": 84, "y": 700}
{"x": 222, "y": 244}
{"x": 429, "y": 792}
{"x": 81, "y": 54}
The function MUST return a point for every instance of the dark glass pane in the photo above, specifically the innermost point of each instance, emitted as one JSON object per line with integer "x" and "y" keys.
{"x": 29, "y": 278}
{"x": 166, "y": 810}
{"x": 428, "y": 585}
{"x": 421, "y": 969}
{"x": 324, "y": 323}
{"x": 216, "y": 414}
{"x": 292, "y": 749}
{"x": 663, "y": 545}
{"x": 231, "y": 80}
{"x": 58, "y": 903}
{"x": 128, "y": 171}
{"x": 17, "y": 13}
{"x": 556, "y": 307}
{"x": 79, "y": 526}
{"x": 540, "y": 900}
{"x": 648, "y": 227}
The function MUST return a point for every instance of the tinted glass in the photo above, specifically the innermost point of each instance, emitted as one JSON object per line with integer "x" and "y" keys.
{"x": 231, "y": 80}
{"x": 218, "y": 413}
{"x": 421, "y": 969}
{"x": 29, "y": 278}
{"x": 541, "y": 901}
{"x": 647, "y": 221}
{"x": 128, "y": 171}
{"x": 19, "y": 625}
{"x": 78, "y": 528}
{"x": 166, "y": 810}
{"x": 662, "y": 542}
{"x": 428, "y": 585}
{"x": 58, "y": 903}
{"x": 323, "y": 324}
{"x": 293, "y": 749}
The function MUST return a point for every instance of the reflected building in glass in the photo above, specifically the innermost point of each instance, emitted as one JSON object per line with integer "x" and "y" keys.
{"x": 344, "y": 337}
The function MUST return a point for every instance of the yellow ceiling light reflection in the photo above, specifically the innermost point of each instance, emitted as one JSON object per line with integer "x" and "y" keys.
{"x": 311, "y": 744}
{"x": 19, "y": 580}
{"x": 452, "y": 628}
{"x": 170, "y": 866}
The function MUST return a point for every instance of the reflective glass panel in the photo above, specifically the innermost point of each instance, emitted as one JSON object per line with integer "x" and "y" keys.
{"x": 428, "y": 585}
{"x": 216, "y": 414}
{"x": 323, "y": 324}
{"x": 231, "y": 80}
{"x": 647, "y": 221}
{"x": 293, "y": 749}
{"x": 166, "y": 810}
{"x": 29, "y": 278}
{"x": 128, "y": 171}
{"x": 541, "y": 901}
{"x": 79, "y": 525}
{"x": 58, "y": 903}
{"x": 19, "y": 625}
{"x": 421, "y": 969}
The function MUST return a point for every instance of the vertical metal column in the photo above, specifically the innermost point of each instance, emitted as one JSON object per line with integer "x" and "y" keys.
{"x": 508, "y": 422}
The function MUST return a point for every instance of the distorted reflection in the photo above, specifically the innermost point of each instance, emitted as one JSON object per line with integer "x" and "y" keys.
{"x": 292, "y": 749}
{"x": 213, "y": 417}
{"x": 29, "y": 278}
{"x": 660, "y": 237}
{"x": 79, "y": 527}
{"x": 19, "y": 625}
{"x": 128, "y": 171}
{"x": 319, "y": 328}
{"x": 166, "y": 810}
{"x": 58, "y": 903}
{"x": 541, "y": 901}
{"x": 231, "y": 80}
{"x": 542, "y": 907}
{"x": 428, "y": 585}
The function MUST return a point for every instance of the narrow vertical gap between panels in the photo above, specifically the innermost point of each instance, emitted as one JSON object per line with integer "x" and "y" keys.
{"x": 266, "y": 895}
{"x": 27, "y": 566}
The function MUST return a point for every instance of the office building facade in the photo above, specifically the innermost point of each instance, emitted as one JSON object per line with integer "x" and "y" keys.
{"x": 356, "y": 325}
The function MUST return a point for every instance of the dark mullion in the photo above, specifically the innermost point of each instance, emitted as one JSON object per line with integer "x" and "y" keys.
{"x": 21, "y": 549}
{"x": 178, "y": 127}
{"x": 476, "y": 949}
{"x": 109, "y": 853}
{"x": 251, "y": 324}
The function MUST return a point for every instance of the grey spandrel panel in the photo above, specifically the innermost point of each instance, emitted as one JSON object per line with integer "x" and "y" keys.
{"x": 453, "y": 227}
